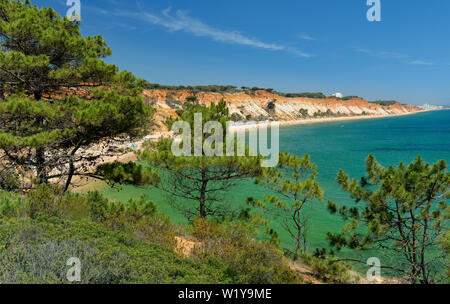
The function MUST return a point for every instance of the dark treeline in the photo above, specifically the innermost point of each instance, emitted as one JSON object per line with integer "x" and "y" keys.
{"x": 234, "y": 89}
{"x": 205, "y": 88}
{"x": 385, "y": 102}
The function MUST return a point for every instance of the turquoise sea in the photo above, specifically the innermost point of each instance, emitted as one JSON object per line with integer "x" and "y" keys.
{"x": 333, "y": 146}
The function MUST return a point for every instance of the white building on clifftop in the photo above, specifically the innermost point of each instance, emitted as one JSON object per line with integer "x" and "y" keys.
{"x": 338, "y": 95}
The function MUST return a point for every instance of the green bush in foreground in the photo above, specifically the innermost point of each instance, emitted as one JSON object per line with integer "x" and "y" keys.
{"x": 36, "y": 251}
{"x": 123, "y": 243}
{"x": 246, "y": 260}
{"x": 329, "y": 270}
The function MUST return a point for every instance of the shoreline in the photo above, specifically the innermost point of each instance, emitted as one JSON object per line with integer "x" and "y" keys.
{"x": 245, "y": 127}
{"x": 131, "y": 156}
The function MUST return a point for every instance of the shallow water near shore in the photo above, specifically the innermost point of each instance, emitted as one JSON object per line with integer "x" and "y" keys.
{"x": 333, "y": 146}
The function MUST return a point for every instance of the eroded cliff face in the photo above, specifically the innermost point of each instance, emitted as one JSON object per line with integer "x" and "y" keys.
{"x": 253, "y": 106}
{"x": 262, "y": 105}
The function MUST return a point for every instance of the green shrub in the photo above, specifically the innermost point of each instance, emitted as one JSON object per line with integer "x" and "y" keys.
{"x": 445, "y": 243}
{"x": 247, "y": 261}
{"x": 236, "y": 117}
{"x": 45, "y": 262}
{"x": 11, "y": 205}
{"x": 385, "y": 102}
{"x": 36, "y": 251}
{"x": 304, "y": 95}
{"x": 48, "y": 200}
{"x": 329, "y": 270}
{"x": 192, "y": 99}
{"x": 304, "y": 113}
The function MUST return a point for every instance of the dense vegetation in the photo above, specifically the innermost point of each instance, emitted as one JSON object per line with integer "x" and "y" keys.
{"x": 193, "y": 89}
{"x": 320, "y": 114}
{"x": 232, "y": 89}
{"x": 129, "y": 243}
{"x": 227, "y": 89}
{"x": 349, "y": 97}
{"x": 304, "y": 95}
{"x": 385, "y": 102}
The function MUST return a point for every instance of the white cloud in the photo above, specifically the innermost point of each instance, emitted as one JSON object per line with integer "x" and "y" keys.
{"x": 181, "y": 21}
{"x": 382, "y": 54}
{"x": 421, "y": 62}
{"x": 306, "y": 37}
{"x": 392, "y": 55}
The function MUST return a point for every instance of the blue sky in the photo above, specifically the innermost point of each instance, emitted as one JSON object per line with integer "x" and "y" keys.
{"x": 292, "y": 46}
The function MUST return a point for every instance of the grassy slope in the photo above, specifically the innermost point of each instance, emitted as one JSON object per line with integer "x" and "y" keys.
{"x": 118, "y": 244}
{"x": 35, "y": 251}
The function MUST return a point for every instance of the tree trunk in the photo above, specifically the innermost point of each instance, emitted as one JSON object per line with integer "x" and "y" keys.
{"x": 299, "y": 230}
{"x": 203, "y": 195}
{"x": 203, "y": 200}
{"x": 423, "y": 269}
{"x": 71, "y": 167}
{"x": 37, "y": 95}
{"x": 41, "y": 169}
{"x": 69, "y": 177}
{"x": 299, "y": 240}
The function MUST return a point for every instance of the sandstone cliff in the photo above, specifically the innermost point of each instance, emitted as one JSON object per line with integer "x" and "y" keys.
{"x": 262, "y": 105}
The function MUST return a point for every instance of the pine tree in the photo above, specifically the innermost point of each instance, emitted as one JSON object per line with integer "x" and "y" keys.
{"x": 42, "y": 52}
{"x": 195, "y": 183}
{"x": 403, "y": 214}
{"x": 294, "y": 183}
{"x": 43, "y": 59}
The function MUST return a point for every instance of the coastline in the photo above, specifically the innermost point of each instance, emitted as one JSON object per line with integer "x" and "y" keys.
{"x": 245, "y": 127}
{"x": 137, "y": 144}
{"x": 132, "y": 146}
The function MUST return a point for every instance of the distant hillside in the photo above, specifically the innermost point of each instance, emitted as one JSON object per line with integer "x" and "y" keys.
{"x": 261, "y": 105}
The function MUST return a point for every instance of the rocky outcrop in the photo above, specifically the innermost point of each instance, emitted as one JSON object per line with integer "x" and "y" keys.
{"x": 262, "y": 105}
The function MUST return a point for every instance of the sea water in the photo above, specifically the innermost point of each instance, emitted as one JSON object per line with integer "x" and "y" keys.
{"x": 334, "y": 146}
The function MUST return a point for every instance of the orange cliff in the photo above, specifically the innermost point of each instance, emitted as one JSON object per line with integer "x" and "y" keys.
{"x": 255, "y": 105}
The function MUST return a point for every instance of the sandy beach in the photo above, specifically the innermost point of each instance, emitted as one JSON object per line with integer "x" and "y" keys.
{"x": 244, "y": 127}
